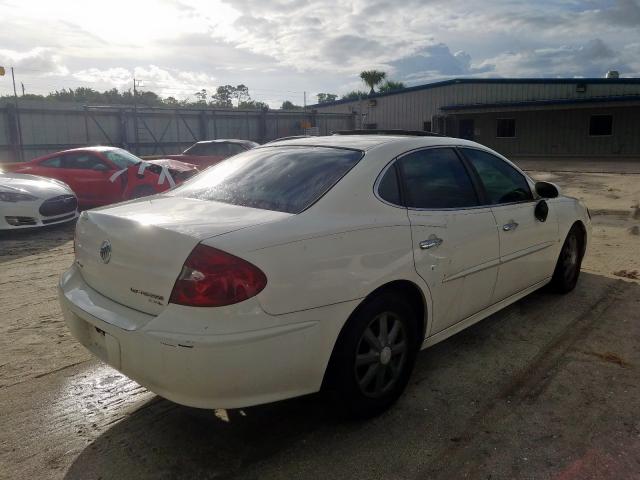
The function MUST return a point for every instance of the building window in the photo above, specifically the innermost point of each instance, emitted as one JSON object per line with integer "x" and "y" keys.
{"x": 370, "y": 126}
{"x": 426, "y": 126}
{"x": 600, "y": 125}
{"x": 506, "y": 127}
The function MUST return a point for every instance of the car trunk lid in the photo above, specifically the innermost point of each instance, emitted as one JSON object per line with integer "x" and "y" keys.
{"x": 132, "y": 253}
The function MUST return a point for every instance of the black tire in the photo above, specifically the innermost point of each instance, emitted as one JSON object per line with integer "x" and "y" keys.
{"x": 358, "y": 359}
{"x": 567, "y": 271}
{"x": 142, "y": 191}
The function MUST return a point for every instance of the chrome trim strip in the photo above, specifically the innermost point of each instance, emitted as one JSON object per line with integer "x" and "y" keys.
{"x": 478, "y": 268}
{"x": 527, "y": 251}
{"x": 499, "y": 261}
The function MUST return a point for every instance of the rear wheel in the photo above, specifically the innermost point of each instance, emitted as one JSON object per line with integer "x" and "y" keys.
{"x": 374, "y": 356}
{"x": 567, "y": 271}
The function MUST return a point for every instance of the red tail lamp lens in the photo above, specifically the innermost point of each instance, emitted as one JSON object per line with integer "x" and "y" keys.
{"x": 213, "y": 278}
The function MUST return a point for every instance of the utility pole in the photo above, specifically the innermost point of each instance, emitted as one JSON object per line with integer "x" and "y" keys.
{"x": 22, "y": 85}
{"x": 305, "y": 100}
{"x": 135, "y": 117}
{"x": 19, "y": 128}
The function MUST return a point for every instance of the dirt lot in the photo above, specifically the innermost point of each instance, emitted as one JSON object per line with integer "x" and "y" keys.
{"x": 547, "y": 388}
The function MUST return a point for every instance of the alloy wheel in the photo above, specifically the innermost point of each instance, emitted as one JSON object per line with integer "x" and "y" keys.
{"x": 381, "y": 354}
{"x": 570, "y": 258}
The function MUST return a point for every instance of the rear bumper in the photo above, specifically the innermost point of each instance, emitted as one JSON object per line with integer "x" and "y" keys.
{"x": 192, "y": 356}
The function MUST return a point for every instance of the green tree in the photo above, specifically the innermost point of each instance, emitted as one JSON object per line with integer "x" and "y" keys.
{"x": 390, "y": 86}
{"x": 241, "y": 94}
{"x": 223, "y": 96}
{"x": 372, "y": 78}
{"x": 288, "y": 105}
{"x": 326, "y": 97}
{"x": 252, "y": 105}
{"x": 355, "y": 95}
{"x": 201, "y": 96}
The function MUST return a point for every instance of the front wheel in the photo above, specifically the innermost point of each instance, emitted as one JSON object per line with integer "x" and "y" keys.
{"x": 374, "y": 356}
{"x": 567, "y": 271}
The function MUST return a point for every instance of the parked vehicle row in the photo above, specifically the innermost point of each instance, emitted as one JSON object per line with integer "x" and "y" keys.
{"x": 101, "y": 176}
{"x": 311, "y": 263}
{"x": 104, "y": 175}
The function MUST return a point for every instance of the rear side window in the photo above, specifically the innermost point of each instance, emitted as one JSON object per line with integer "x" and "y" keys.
{"x": 82, "y": 161}
{"x": 204, "y": 149}
{"x": 53, "y": 162}
{"x": 285, "y": 179}
{"x": 436, "y": 178}
{"x": 388, "y": 188}
{"x": 502, "y": 183}
{"x": 234, "y": 148}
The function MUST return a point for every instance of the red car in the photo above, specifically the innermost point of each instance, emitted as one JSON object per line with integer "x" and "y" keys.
{"x": 209, "y": 152}
{"x": 104, "y": 175}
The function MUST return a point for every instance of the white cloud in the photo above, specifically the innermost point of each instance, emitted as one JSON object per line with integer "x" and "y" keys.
{"x": 280, "y": 48}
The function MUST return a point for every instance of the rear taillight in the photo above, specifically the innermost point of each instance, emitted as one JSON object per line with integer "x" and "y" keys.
{"x": 213, "y": 278}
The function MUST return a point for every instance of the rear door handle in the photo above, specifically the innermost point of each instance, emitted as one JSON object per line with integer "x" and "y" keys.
{"x": 431, "y": 243}
{"x": 507, "y": 227}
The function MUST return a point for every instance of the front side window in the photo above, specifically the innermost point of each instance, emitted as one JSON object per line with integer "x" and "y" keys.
{"x": 285, "y": 179}
{"x": 436, "y": 178}
{"x": 121, "y": 158}
{"x": 502, "y": 183}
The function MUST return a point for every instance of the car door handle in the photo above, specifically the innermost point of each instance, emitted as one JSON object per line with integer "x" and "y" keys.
{"x": 507, "y": 227}
{"x": 431, "y": 243}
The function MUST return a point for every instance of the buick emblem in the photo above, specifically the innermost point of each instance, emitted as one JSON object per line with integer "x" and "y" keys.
{"x": 105, "y": 251}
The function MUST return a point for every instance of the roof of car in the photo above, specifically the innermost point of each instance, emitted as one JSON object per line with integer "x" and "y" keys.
{"x": 360, "y": 142}
{"x": 96, "y": 148}
{"x": 229, "y": 140}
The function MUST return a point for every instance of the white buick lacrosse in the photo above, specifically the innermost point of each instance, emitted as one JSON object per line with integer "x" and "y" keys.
{"x": 323, "y": 262}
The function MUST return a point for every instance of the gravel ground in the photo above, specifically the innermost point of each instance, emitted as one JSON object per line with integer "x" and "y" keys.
{"x": 547, "y": 388}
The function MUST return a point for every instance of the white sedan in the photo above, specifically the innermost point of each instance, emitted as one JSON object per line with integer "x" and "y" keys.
{"x": 323, "y": 262}
{"x": 28, "y": 201}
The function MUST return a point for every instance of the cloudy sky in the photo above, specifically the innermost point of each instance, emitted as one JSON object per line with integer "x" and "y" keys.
{"x": 282, "y": 48}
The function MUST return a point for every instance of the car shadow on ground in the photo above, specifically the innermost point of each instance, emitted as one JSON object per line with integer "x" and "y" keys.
{"x": 15, "y": 244}
{"x": 453, "y": 390}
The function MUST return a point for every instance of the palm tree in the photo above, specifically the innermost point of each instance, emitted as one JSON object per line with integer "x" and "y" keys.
{"x": 372, "y": 78}
{"x": 391, "y": 85}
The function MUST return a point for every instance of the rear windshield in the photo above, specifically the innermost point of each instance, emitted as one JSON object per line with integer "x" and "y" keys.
{"x": 286, "y": 179}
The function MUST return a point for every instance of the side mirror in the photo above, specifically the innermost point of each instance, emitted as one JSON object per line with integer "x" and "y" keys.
{"x": 547, "y": 190}
{"x": 100, "y": 167}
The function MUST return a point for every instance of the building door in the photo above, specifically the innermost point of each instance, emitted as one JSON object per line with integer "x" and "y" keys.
{"x": 466, "y": 128}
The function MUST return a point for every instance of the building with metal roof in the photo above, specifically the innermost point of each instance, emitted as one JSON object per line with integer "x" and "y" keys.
{"x": 523, "y": 117}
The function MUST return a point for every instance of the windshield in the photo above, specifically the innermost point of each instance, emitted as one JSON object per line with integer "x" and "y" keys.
{"x": 285, "y": 179}
{"x": 122, "y": 158}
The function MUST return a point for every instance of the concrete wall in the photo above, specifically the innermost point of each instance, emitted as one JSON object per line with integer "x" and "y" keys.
{"x": 51, "y": 127}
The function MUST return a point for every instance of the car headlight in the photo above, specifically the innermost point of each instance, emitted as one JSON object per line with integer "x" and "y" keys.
{"x": 16, "y": 197}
